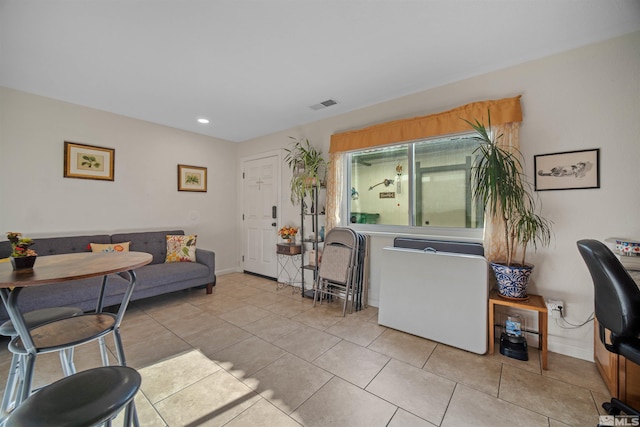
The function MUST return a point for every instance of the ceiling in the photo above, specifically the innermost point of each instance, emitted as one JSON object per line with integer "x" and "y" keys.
{"x": 256, "y": 67}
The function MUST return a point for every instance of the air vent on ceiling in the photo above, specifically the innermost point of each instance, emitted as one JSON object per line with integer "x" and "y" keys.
{"x": 324, "y": 104}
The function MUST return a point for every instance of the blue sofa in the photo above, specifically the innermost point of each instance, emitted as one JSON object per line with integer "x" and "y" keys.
{"x": 153, "y": 279}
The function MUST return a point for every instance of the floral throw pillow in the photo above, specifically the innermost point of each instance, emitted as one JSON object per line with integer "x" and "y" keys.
{"x": 181, "y": 248}
{"x": 112, "y": 247}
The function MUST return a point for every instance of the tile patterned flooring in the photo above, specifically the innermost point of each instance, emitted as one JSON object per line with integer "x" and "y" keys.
{"x": 255, "y": 354}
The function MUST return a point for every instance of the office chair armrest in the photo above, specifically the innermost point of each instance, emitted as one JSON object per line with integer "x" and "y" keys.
{"x": 613, "y": 345}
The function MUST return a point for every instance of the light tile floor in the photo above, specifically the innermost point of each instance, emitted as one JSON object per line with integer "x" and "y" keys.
{"x": 257, "y": 354}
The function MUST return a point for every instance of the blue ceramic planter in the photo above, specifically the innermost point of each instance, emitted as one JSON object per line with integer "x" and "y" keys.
{"x": 512, "y": 280}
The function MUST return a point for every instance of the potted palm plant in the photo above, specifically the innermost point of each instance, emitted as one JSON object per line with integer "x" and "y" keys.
{"x": 499, "y": 184}
{"x": 308, "y": 166}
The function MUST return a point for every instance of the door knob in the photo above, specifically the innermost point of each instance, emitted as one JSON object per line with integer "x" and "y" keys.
{"x": 273, "y": 224}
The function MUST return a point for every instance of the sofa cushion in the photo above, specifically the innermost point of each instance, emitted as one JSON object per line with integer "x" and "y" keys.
{"x": 152, "y": 242}
{"x": 152, "y": 275}
{"x": 110, "y": 247}
{"x": 181, "y": 248}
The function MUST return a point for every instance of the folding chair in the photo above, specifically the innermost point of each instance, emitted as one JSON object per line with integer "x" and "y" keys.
{"x": 335, "y": 276}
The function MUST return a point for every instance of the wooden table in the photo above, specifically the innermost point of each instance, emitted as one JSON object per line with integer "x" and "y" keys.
{"x": 72, "y": 331}
{"x": 533, "y": 302}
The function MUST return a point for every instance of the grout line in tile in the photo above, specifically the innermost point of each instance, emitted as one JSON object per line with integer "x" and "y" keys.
{"x": 433, "y": 350}
{"x": 381, "y": 369}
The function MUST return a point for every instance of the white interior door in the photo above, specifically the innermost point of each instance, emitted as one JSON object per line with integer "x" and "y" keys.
{"x": 260, "y": 209}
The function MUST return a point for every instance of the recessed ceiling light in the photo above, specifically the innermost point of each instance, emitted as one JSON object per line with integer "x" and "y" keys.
{"x": 203, "y": 120}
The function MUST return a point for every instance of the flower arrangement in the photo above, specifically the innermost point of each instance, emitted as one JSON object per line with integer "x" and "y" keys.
{"x": 288, "y": 232}
{"x": 20, "y": 245}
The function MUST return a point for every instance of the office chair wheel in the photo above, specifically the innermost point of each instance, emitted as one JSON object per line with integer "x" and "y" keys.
{"x": 611, "y": 410}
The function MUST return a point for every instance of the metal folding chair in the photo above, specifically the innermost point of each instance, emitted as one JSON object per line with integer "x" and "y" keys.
{"x": 336, "y": 273}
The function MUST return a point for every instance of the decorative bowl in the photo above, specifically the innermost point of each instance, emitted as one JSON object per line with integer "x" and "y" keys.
{"x": 627, "y": 246}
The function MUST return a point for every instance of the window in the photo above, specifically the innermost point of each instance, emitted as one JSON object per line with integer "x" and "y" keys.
{"x": 419, "y": 184}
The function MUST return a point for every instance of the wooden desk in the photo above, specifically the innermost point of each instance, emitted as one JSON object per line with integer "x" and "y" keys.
{"x": 533, "y": 302}
{"x": 67, "y": 332}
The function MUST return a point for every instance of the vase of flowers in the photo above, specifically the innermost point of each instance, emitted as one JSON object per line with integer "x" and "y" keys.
{"x": 22, "y": 258}
{"x": 288, "y": 233}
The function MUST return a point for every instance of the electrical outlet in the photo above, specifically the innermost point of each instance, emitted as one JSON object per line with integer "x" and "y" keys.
{"x": 554, "y": 305}
{"x": 555, "y": 308}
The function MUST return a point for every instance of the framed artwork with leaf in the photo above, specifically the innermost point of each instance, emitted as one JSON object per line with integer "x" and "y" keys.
{"x": 88, "y": 161}
{"x": 192, "y": 178}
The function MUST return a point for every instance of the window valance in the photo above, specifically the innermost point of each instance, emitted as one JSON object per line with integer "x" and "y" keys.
{"x": 506, "y": 110}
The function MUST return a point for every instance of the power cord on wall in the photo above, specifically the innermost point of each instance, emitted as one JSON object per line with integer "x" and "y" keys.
{"x": 573, "y": 326}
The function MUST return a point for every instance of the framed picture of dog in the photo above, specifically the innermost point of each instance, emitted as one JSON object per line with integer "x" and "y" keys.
{"x": 569, "y": 170}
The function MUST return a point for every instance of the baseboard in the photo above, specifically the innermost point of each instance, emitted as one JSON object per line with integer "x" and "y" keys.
{"x": 570, "y": 350}
{"x": 260, "y": 275}
{"x": 227, "y": 271}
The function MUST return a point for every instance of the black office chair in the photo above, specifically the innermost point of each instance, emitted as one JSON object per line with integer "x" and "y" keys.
{"x": 617, "y": 308}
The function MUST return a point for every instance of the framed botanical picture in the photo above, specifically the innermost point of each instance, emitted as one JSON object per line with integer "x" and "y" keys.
{"x": 192, "y": 178}
{"x": 88, "y": 161}
{"x": 568, "y": 170}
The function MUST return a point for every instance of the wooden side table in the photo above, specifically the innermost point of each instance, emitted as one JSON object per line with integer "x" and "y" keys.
{"x": 533, "y": 302}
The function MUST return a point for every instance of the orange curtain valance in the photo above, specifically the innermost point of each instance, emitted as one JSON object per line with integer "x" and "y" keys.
{"x": 503, "y": 111}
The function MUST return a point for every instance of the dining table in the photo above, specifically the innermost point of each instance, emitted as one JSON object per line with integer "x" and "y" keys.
{"x": 69, "y": 332}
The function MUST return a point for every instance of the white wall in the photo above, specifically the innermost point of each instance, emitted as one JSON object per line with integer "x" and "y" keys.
{"x": 581, "y": 99}
{"x": 38, "y": 201}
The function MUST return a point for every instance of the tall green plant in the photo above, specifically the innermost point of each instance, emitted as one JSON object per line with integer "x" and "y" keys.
{"x": 308, "y": 166}
{"x": 500, "y": 185}
{"x": 532, "y": 228}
